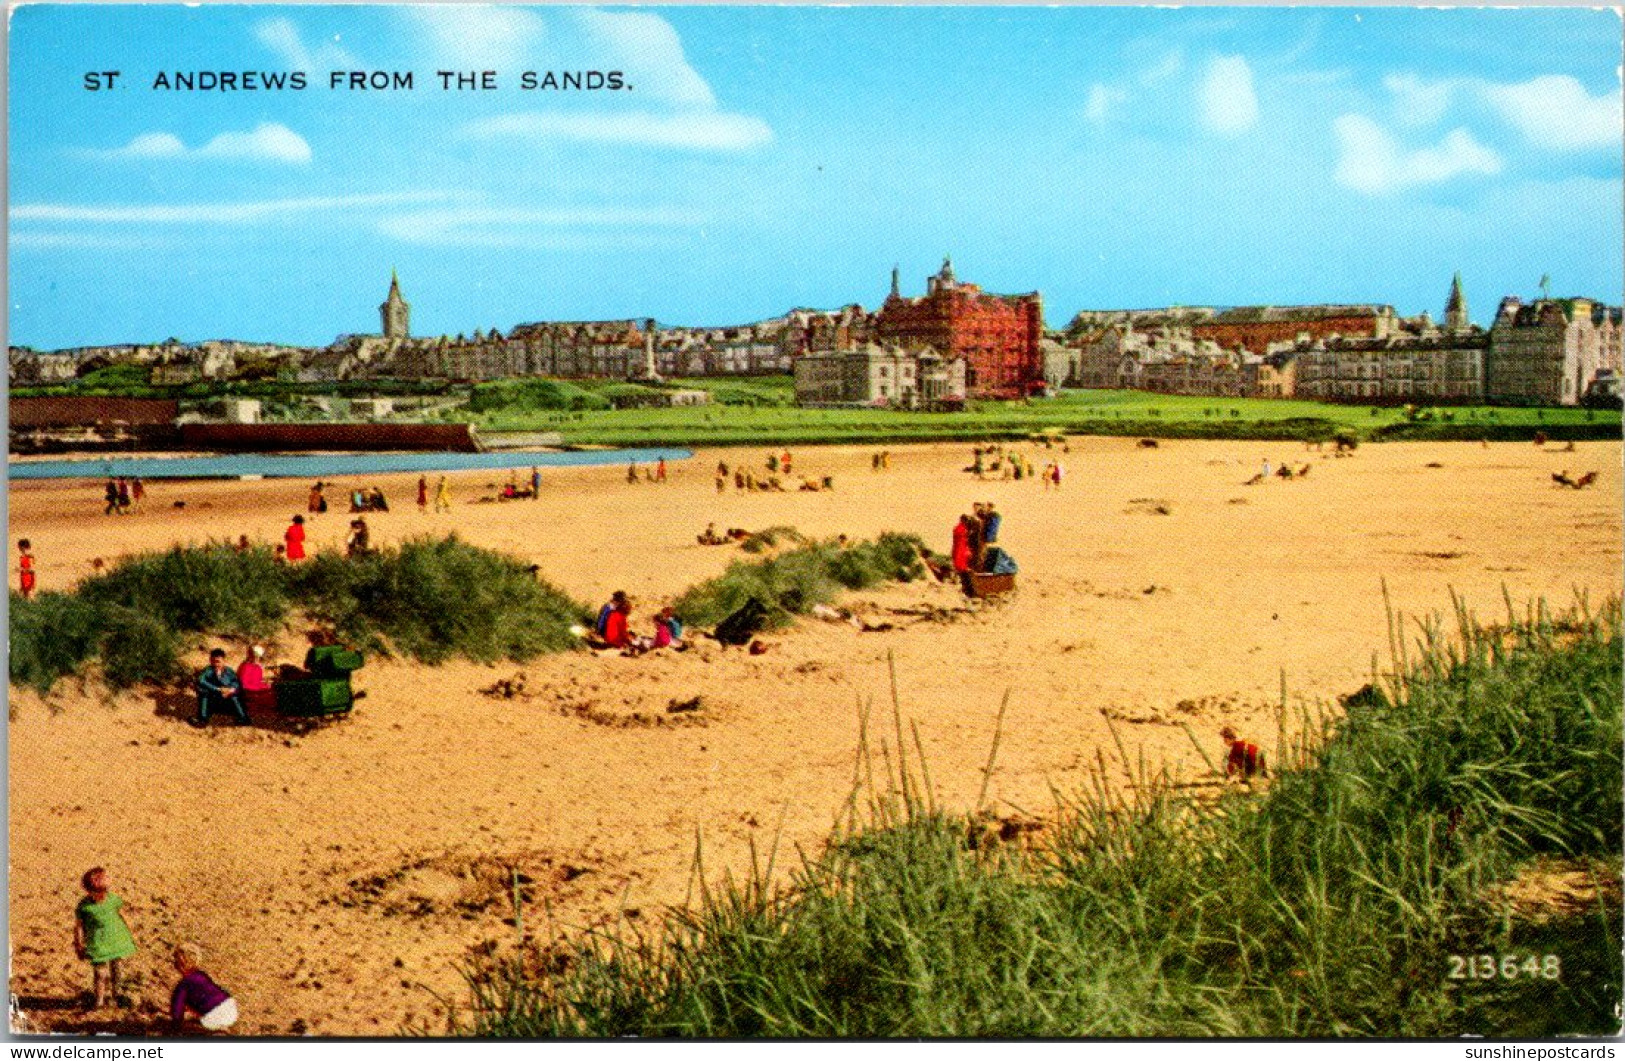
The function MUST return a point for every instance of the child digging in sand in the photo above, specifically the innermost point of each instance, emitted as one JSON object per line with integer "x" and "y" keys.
{"x": 1243, "y": 759}
{"x": 102, "y": 936}
{"x": 198, "y": 993}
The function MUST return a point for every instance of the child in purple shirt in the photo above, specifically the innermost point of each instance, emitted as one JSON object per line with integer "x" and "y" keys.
{"x": 198, "y": 993}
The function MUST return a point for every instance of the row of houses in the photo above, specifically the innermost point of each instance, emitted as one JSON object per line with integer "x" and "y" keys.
{"x": 1549, "y": 351}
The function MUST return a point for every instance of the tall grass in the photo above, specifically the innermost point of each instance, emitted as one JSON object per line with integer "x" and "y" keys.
{"x": 790, "y": 583}
{"x": 428, "y": 599}
{"x": 1329, "y": 905}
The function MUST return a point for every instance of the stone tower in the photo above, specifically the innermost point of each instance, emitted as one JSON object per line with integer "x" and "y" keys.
{"x": 1455, "y": 307}
{"x": 396, "y": 312}
{"x": 896, "y": 288}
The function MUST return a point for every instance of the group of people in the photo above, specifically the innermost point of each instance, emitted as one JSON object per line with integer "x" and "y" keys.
{"x": 222, "y": 689}
{"x": 104, "y": 937}
{"x": 974, "y": 537}
{"x": 124, "y": 495}
{"x": 879, "y": 462}
{"x": 657, "y": 474}
{"x": 994, "y": 459}
{"x": 368, "y": 500}
{"x": 442, "y": 495}
{"x": 711, "y": 537}
{"x": 613, "y": 628}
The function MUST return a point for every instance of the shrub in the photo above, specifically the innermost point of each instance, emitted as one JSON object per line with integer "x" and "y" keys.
{"x": 213, "y": 588}
{"x": 792, "y": 582}
{"x": 532, "y": 394}
{"x": 51, "y": 635}
{"x": 138, "y": 647}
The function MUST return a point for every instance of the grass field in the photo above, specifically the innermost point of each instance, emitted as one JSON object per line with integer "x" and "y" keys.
{"x": 1357, "y": 895}
{"x": 773, "y": 419}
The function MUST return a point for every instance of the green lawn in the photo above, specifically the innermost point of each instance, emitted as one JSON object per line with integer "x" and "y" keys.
{"x": 1079, "y": 412}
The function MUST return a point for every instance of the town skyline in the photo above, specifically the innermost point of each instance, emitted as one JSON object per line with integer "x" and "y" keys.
{"x": 769, "y": 159}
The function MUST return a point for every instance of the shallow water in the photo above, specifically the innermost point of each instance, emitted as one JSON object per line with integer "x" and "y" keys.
{"x": 322, "y": 465}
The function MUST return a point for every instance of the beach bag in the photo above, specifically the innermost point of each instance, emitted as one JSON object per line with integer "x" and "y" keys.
{"x": 743, "y": 624}
{"x": 1000, "y": 562}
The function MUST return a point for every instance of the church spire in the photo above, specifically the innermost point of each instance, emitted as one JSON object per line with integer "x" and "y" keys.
{"x": 1455, "y": 307}
{"x": 896, "y": 289}
{"x": 396, "y": 312}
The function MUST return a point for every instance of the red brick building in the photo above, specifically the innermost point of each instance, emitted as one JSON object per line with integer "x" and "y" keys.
{"x": 1256, "y": 327}
{"x": 996, "y": 335}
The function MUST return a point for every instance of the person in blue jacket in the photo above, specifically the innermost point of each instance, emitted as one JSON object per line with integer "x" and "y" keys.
{"x": 217, "y": 687}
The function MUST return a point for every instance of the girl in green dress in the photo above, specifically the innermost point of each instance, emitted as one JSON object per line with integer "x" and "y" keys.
{"x": 101, "y": 935}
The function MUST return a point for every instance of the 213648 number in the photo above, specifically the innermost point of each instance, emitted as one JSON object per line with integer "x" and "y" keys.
{"x": 1505, "y": 967}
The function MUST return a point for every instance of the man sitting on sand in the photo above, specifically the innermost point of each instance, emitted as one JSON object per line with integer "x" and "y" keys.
{"x": 218, "y": 687}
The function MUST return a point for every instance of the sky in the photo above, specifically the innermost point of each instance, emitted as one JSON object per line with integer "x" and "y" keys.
{"x": 760, "y": 159}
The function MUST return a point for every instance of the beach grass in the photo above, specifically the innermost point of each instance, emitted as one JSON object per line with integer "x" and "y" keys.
{"x": 428, "y": 599}
{"x": 1362, "y": 893}
{"x": 792, "y": 582}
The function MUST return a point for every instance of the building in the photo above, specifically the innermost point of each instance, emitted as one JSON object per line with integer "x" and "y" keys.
{"x": 1435, "y": 366}
{"x": 876, "y": 375}
{"x": 396, "y": 312}
{"x": 997, "y": 336}
{"x": 1257, "y": 328}
{"x": 1549, "y": 351}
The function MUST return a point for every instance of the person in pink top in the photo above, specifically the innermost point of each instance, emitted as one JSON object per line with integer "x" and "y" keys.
{"x": 257, "y": 691}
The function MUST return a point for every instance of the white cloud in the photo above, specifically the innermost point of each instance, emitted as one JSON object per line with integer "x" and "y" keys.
{"x": 691, "y": 130}
{"x": 1371, "y": 161}
{"x": 1225, "y": 101}
{"x": 282, "y": 37}
{"x": 503, "y": 227}
{"x": 212, "y": 213}
{"x": 266, "y": 142}
{"x": 1164, "y": 67}
{"x": 1556, "y": 111}
{"x": 1102, "y": 100}
{"x": 1418, "y": 102}
{"x": 480, "y": 36}
{"x": 648, "y": 50}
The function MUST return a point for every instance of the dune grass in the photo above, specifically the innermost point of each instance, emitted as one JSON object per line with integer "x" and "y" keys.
{"x": 429, "y": 599}
{"x": 790, "y": 583}
{"x": 1334, "y": 903}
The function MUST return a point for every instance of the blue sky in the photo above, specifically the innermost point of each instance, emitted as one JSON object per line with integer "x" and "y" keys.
{"x": 767, "y": 158}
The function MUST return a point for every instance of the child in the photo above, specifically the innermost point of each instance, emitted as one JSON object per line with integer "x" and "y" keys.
{"x": 1245, "y": 759}
{"x": 668, "y": 630}
{"x": 25, "y": 568}
{"x": 197, "y": 992}
{"x": 294, "y": 536}
{"x": 101, "y": 935}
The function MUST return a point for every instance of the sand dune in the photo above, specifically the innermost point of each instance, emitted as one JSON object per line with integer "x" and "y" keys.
{"x": 336, "y": 877}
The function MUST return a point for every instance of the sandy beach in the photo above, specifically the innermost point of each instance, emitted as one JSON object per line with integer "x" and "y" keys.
{"x": 338, "y": 878}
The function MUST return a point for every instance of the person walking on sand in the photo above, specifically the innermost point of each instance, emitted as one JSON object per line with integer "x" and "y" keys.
{"x": 315, "y": 502}
{"x": 102, "y": 936}
{"x": 25, "y": 569}
{"x": 124, "y": 497}
{"x": 660, "y": 470}
{"x": 112, "y": 498}
{"x": 198, "y": 993}
{"x": 784, "y": 464}
{"x": 423, "y": 493}
{"x": 632, "y": 472}
{"x": 442, "y": 496}
{"x": 294, "y": 536}
{"x": 535, "y": 483}
{"x": 138, "y": 493}
{"x": 1266, "y": 472}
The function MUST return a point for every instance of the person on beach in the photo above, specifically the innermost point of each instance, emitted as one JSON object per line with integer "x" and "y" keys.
{"x": 376, "y": 501}
{"x": 112, "y": 498}
{"x": 218, "y": 687}
{"x": 618, "y": 624}
{"x": 992, "y": 520}
{"x": 359, "y": 542}
{"x": 256, "y": 690}
{"x": 632, "y": 472}
{"x": 535, "y": 483}
{"x": 1057, "y": 472}
{"x": 1243, "y": 759}
{"x": 25, "y": 568}
{"x": 442, "y": 496}
{"x": 124, "y": 496}
{"x": 138, "y": 493}
{"x": 668, "y": 630}
{"x": 102, "y": 936}
{"x": 281, "y": 554}
{"x": 198, "y": 993}
{"x": 294, "y": 536}
{"x": 660, "y": 470}
{"x": 1265, "y": 474}
{"x": 317, "y": 502}
{"x": 602, "y": 622}
{"x": 961, "y": 552}
{"x": 784, "y": 464}
{"x": 772, "y": 462}
{"x": 243, "y": 545}
{"x": 423, "y": 493}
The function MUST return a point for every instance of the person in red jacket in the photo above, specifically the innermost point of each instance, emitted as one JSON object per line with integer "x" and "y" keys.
{"x": 295, "y": 537}
{"x": 25, "y": 568}
{"x": 1245, "y": 759}
{"x": 961, "y": 554}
